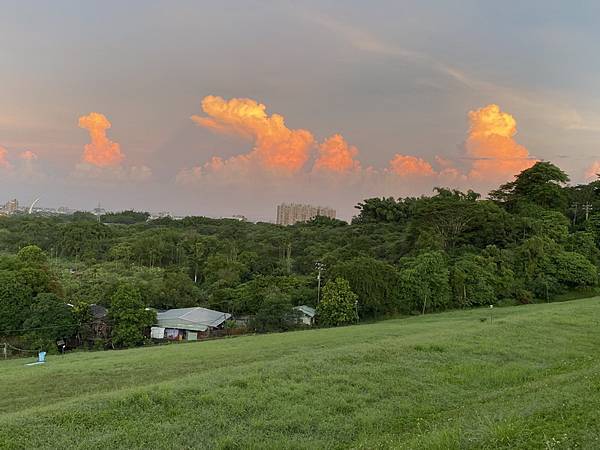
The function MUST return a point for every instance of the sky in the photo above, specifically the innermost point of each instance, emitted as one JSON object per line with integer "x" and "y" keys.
{"x": 223, "y": 108}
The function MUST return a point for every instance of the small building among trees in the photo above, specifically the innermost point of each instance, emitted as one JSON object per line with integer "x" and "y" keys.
{"x": 307, "y": 314}
{"x": 188, "y": 323}
{"x": 94, "y": 325}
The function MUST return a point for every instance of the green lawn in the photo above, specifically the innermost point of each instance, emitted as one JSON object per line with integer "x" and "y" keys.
{"x": 530, "y": 379}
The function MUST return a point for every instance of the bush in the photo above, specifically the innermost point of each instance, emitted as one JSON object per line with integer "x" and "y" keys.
{"x": 275, "y": 313}
{"x": 49, "y": 309}
{"x": 524, "y": 296}
{"x": 129, "y": 317}
{"x": 338, "y": 305}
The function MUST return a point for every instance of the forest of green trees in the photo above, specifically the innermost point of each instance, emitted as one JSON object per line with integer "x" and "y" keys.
{"x": 532, "y": 239}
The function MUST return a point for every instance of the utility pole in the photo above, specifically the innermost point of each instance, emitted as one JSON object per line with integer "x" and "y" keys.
{"x": 288, "y": 258}
{"x": 320, "y": 268}
{"x": 587, "y": 208}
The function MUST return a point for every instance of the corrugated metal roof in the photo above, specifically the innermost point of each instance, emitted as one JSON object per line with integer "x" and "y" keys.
{"x": 98, "y": 311}
{"x": 309, "y": 311}
{"x": 195, "y": 319}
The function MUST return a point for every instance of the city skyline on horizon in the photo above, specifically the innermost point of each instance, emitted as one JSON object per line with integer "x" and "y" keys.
{"x": 38, "y": 207}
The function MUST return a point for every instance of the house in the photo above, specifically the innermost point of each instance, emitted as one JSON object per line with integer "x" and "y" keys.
{"x": 98, "y": 312}
{"x": 307, "y": 314}
{"x": 99, "y": 326}
{"x": 243, "y": 321}
{"x": 187, "y": 323}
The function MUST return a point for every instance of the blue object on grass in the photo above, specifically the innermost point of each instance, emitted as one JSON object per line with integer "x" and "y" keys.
{"x": 41, "y": 359}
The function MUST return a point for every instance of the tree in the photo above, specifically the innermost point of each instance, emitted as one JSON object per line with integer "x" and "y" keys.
{"x": 125, "y": 217}
{"x": 122, "y": 251}
{"x": 379, "y": 210}
{"x": 574, "y": 270}
{"x": 424, "y": 283}
{"x": 473, "y": 281}
{"x": 502, "y": 263}
{"x": 33, "y": 256}
{"x": 322, "y": 221}
{"x": 583, "y": 242}
{"x": 38, "y": 280}
{"x": 15, "y": 300}
{"x": 275, "y": 313}
{"x": 85, "y": 240}
{"x": 249, "y": 296}
{"x": 374, "y": 282}
{"x": 95, "y": 284}
{"x": 35, "y": 271}
{"x": 451, "y": 220}
{"x": 50, "y": 319}
{"x": 533, "y": 257}
{"x": 338, "y": 305}
{"x": 540, "y": 185}
{"x": 223, "y": 268}
{"x": 178, "y": 291}
{"x": 547, "y": 269}
{"x": 546, "y": 223}
{"x": 129, "y": 317}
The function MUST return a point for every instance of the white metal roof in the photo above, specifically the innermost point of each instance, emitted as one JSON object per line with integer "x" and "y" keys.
{"x": 308, "y": 310}
{"x": 196, "y": 319}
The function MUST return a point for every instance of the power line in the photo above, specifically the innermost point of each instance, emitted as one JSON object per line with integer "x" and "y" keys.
{"x": 40, "y": 328}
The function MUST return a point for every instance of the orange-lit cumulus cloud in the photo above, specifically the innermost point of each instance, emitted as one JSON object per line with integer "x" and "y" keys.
{"x": 410, "y": 166}
{"x": 101, "y": 152}
{"x": 493, "y": 155}
{"x": 276, "y": 147}
{"x": 336, "y": 155}
{"x": 593, "y": 171}
{"x": 4, "y": 164}
{"x": 491, "y": 145}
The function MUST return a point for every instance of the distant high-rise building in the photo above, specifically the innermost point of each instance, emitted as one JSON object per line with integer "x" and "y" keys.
{"x": 291, "y": 213}
{"x": 10, "y": 207}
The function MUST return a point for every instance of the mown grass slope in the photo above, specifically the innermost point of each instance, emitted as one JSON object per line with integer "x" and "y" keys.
{"x": 529, "y": 379}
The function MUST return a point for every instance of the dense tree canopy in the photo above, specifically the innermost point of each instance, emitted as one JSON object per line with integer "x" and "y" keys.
{"x": 533, "y": 239}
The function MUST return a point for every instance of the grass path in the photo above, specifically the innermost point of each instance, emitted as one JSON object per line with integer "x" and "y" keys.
{"x": 530, "y": 379}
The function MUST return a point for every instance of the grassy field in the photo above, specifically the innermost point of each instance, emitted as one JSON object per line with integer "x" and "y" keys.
{"x": 529, "y": 379}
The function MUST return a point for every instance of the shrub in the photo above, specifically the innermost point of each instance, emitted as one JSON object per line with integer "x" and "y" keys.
{"x": 338, "y": 305}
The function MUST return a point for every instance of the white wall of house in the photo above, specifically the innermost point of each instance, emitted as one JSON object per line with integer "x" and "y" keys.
{"x": 306, "y": 320}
